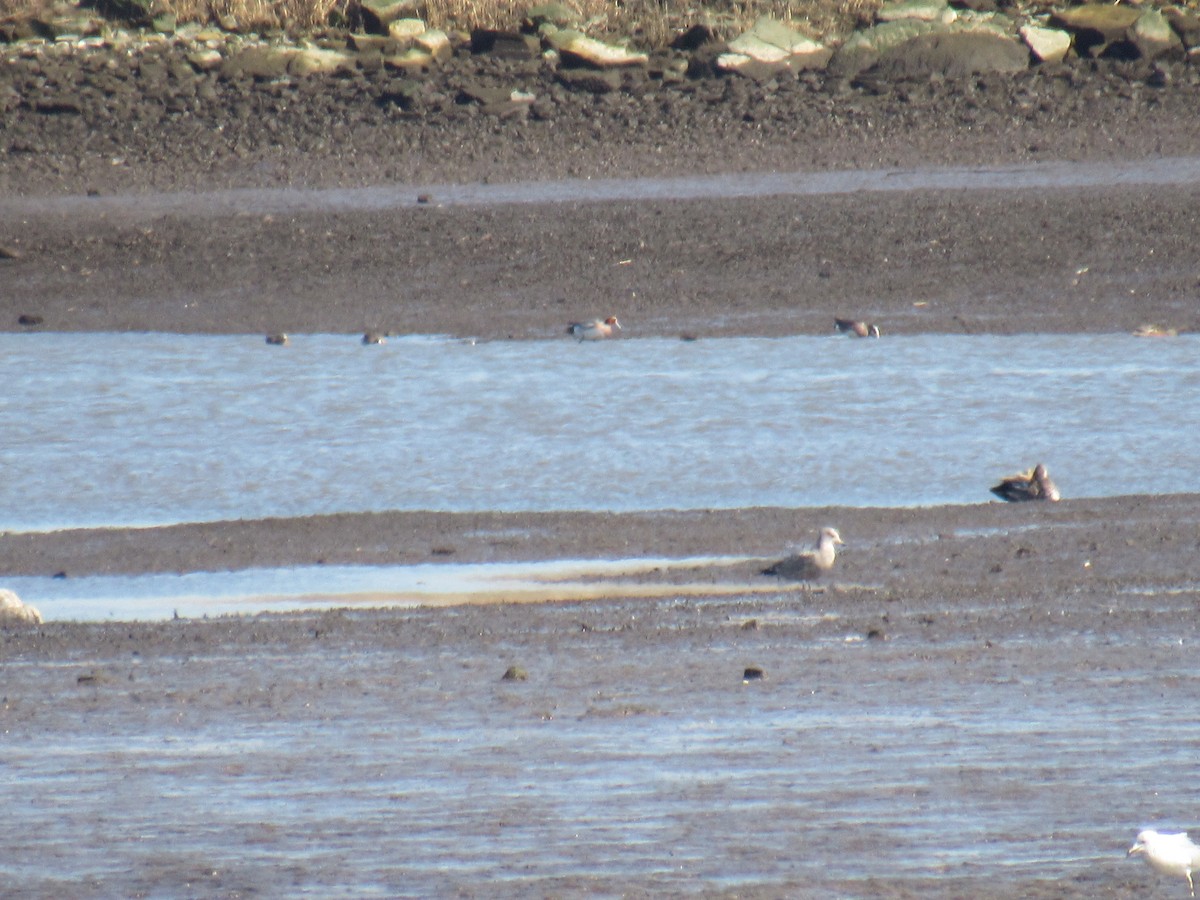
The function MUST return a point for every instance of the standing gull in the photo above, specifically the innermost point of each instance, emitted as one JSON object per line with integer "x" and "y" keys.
{"x": 812, "y": 565}
{"x": 1034, "y": 484}
{"x": 1171, "y": 854}
{"x": 595, "y": 330}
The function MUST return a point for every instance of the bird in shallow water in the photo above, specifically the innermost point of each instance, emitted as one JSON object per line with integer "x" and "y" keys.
{"x": 1159, "y": 331}
{"x": 855, "y": 328}
{"x": 1171, "y": 854}
{"x": 811, "y": 565}
{"x": 595, "y": 330}
{"x": 1034, "y": 484}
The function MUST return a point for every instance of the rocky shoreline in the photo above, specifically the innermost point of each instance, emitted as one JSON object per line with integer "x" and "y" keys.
{"x": 202, "y": 107}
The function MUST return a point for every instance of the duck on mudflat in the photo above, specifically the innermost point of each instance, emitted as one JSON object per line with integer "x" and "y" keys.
{"x": 1034, "y": 484}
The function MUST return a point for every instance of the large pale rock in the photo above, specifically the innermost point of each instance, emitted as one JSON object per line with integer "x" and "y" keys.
{"x": 412, "y": 59}
{"x": 14, "y": 612}
{"x": 1049, "y": 45}
{"x": 405, "y": 30}
{"x": 436, "y": 42}
{"x": 258, "y": 62}
{"x": 558, "y": 15}
{"x": 770, "y": 43}
{"x": 865, "y": 48}
{"x": 576, "y": 48}
{"x": 379, "y": 14}
{"x": 1153, "y": 36}
{"x": 205, "y": 60}
{"x": 923, "y": 10}
{"x": 1095, "y": 25}
{"x": 1186, "y": 25}
{"x": 954, "y": 54}
{"x": 505, "y": 44}
{"x": 315, "y": 61}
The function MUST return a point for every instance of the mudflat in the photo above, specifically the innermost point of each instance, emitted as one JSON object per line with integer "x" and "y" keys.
{"x": 920, "y": 726}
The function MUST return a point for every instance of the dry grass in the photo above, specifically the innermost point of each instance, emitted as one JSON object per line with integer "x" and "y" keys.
{"x": 650, "y": 22}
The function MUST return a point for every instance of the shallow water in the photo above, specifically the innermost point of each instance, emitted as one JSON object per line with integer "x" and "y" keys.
{"x": 91, "y": 598}
{"x": 633, "y": 760}
{"x": 278, "y": 201}
{"x": 150, "y": 429}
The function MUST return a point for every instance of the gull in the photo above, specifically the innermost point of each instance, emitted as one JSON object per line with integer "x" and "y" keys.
{"x": 855, "y": 328}
{"x": 1171, "y": 854}
{"x": 1034, "y": 484}
{"x": 811, "y": 565}
{"x": 595, "y": 330}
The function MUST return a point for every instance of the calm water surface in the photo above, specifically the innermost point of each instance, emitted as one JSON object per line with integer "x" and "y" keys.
{"x": 148, "y": 429}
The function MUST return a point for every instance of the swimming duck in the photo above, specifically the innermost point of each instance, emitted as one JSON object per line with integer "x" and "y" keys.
{"x": 374, "y": 337}
{"x": 1034, "y": 484}
{"x": 810, "y": 565}
{"x": 855, "y": 328}
{"x": 1171, "y": 854}
{"x": 595, "y": 330}
{"x": 279, "y": 339}
{"x": 1150, "y": 330}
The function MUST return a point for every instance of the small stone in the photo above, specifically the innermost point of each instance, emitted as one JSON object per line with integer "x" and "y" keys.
{"x": 515, "y": 673}
{"x": 752, "y": 673}
{"x": 205, "y": 60}
{"x": 29, "y": 320}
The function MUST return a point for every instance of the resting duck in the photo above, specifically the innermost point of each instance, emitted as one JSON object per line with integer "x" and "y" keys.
{"x": 1035, "y": 484}
{"x": 812, "y": 565}
{"x": 595, "y": 330}
{"x": 856, "y": 329}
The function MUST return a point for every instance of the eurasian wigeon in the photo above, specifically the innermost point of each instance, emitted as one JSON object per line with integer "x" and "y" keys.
{"x": 595, "y": 330}
{"x": 1035, "y": 484}
{"x": 856, "y": 328}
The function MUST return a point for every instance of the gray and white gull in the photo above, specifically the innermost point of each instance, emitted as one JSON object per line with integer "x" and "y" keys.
{"x": 811, "y": 565}
{"x": 1171, "y": 854}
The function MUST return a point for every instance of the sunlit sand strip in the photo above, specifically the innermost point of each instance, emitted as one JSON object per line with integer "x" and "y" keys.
{"x": 559, "y": 581}
{"x": 529, "y": 593}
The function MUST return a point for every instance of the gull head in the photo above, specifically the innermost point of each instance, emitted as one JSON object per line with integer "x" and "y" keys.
{"x": 831, "y": 535}
{"x": 1171, "y": 854}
